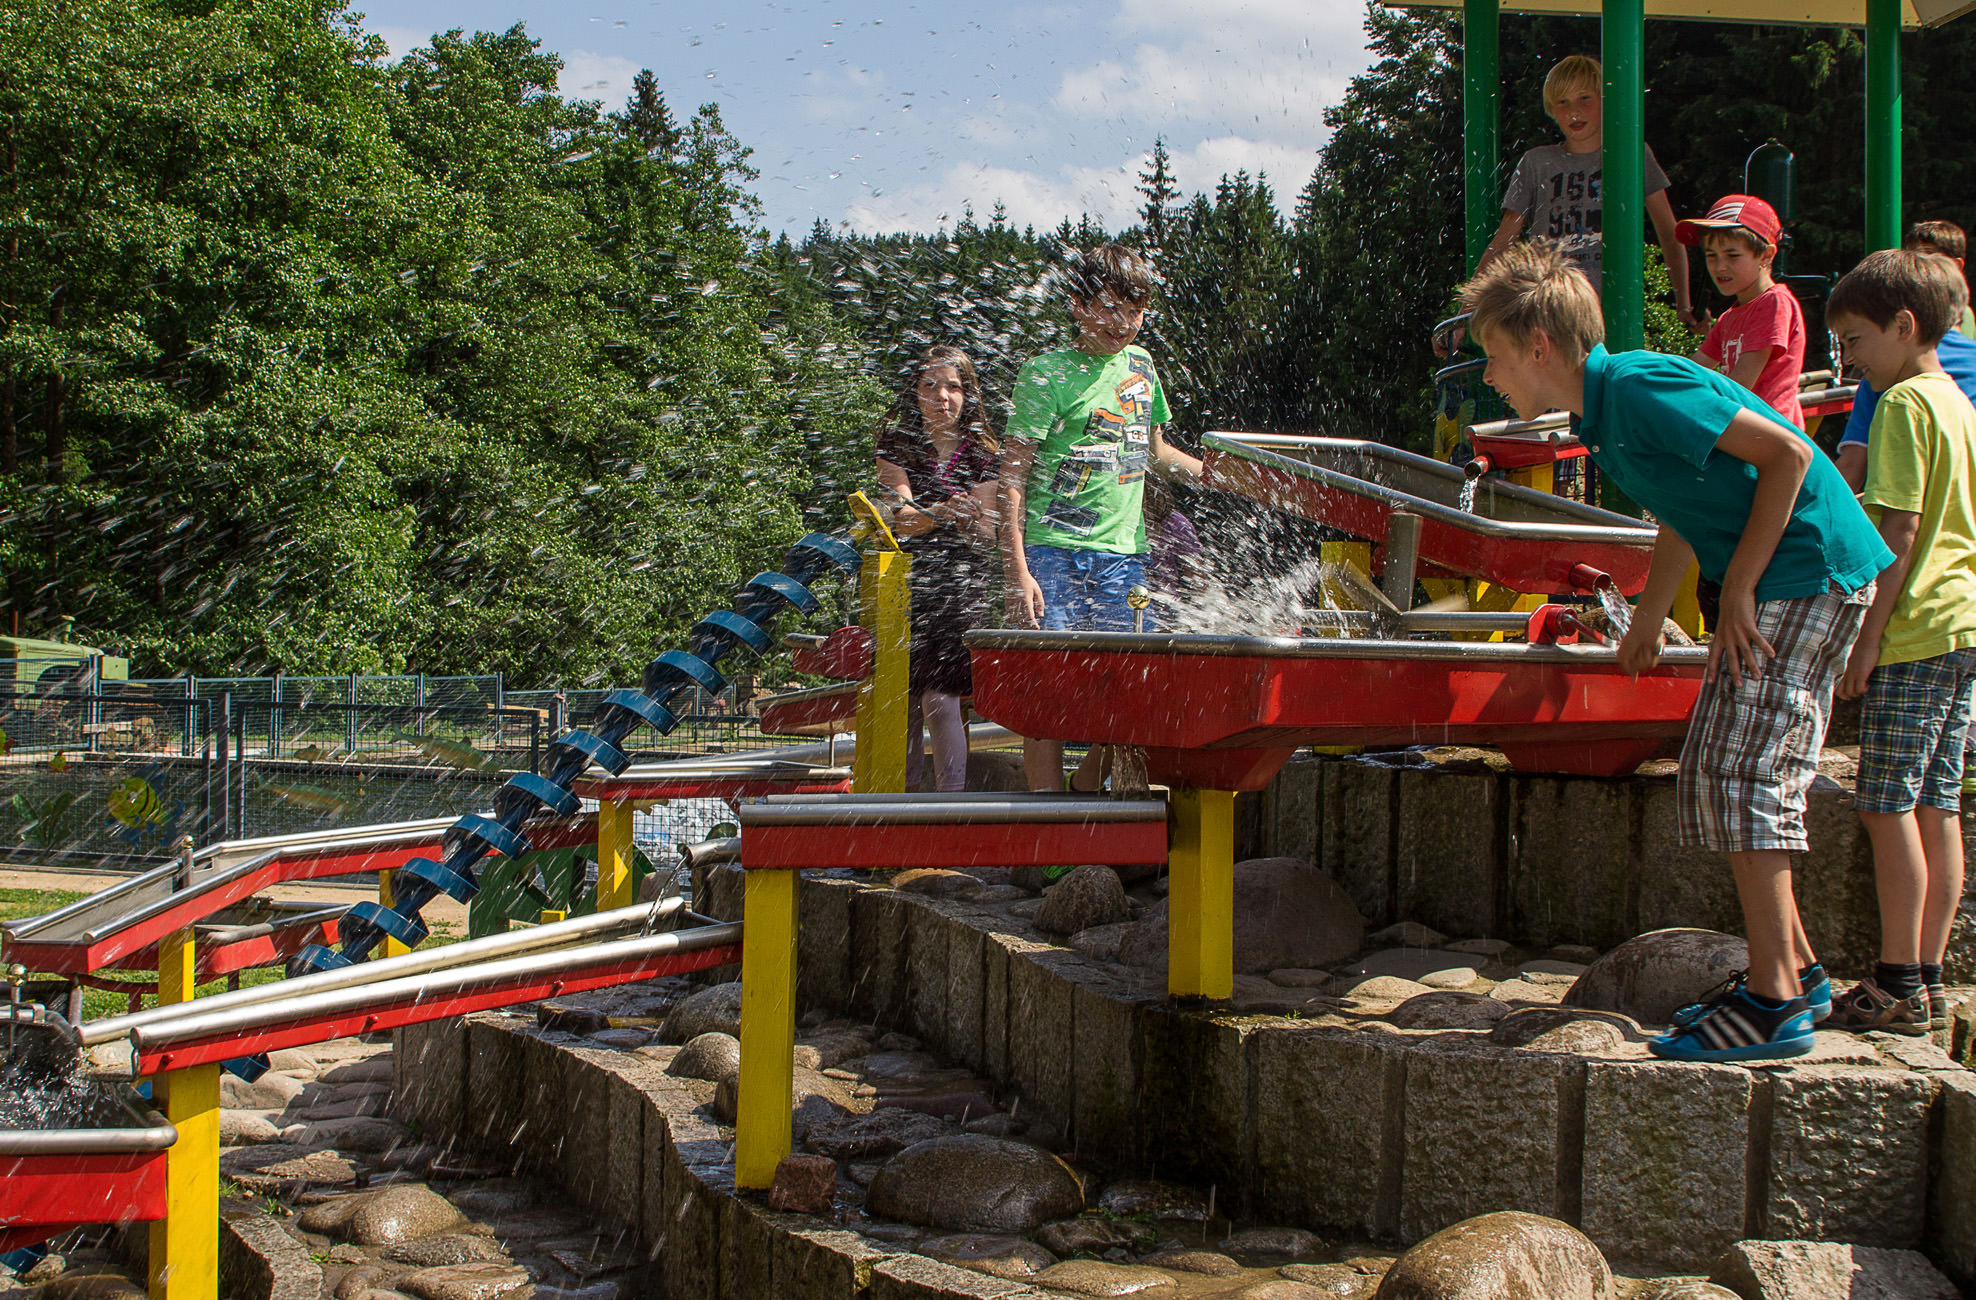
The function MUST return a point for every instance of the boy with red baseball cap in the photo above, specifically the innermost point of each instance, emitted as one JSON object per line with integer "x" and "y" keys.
{"x": 1760, "y": 341}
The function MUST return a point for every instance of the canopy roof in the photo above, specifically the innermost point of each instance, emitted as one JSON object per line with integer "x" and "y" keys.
{"x": 1794, "y": 13}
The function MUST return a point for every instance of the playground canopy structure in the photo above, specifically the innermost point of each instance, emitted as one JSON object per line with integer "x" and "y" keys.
{"x": 1622, "y": 49}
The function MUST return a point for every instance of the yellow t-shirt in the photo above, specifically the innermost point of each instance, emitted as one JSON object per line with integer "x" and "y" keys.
{"x": 1921, "y": 457}
{"x": 1968, "y": 326}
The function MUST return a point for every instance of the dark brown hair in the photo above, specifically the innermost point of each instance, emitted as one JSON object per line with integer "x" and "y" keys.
{"x": 1894, "y": 280}
{"x": 973, "y": 422}
{"x": 1111, "y": 269}
{"x": 1944, "y": 237}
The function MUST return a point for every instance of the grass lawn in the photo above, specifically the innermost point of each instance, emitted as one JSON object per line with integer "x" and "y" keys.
{"x": 98, "y": 1003}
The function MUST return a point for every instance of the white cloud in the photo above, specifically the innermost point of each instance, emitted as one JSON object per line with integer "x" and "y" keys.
{"x": 402, "y": 40}
{"x": 1200, "y": 168}
{"x": 588, "y": 75}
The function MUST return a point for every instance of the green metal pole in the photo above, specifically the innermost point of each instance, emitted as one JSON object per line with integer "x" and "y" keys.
{"x": 1883, "y": 124}
{"x": 1623, "y": 38}
{"x": 1481, "y": 93}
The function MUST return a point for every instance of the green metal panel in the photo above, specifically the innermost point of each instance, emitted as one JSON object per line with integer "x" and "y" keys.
{"x": 1624, "y": 49}
{"x": 1883, "y": 124}
{"x": 1481, "y": 93}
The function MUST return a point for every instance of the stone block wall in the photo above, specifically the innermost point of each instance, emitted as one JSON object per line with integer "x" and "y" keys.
{"x": 1477, "y": 852}
{"x": 1398, "y": 1134}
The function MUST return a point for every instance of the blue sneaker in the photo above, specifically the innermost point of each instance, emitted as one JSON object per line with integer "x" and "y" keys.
{"x": 1813, "y": 985}
{"x": 1817, "y": 989}
{"x": 1732, "y": 1031}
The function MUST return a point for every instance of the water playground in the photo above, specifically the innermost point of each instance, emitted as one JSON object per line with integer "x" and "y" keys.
{"x": 1349, "y": 994}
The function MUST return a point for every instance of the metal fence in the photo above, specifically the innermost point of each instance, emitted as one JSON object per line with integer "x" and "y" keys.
{"x": 726, "y": 723}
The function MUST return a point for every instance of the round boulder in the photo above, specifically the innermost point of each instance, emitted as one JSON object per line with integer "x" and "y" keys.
{"x": 1086, "y": 897}
{"x": 1504, "y": 1256}
{"x": 710, "y": 1011}
{"x": 1686, "y": 1289}
{"x": 1004, "y": 1257}
{"x": 1651, "y": 977}
{"x": 399, "y": 1214}
{"x": 712, "y": 1057}
{"x": 1448, "y": 1009}
{"x": 971, "y": 1183}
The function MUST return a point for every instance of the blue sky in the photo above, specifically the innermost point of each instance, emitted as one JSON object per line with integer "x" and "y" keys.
{"x": 891, "y": 115}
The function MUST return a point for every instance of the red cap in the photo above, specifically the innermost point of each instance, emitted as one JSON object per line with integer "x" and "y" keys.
{"x": 1744, "y": 211}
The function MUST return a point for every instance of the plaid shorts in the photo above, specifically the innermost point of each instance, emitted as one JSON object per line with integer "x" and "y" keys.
{"x": 1911, "y": 733}
{"x": 1752, "y": 750}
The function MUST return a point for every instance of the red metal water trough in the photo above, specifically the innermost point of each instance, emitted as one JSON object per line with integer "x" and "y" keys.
{"x": 1224, "y": 713}
{"x": 1515, "y": 537}
{"x": 54, "y": 1180}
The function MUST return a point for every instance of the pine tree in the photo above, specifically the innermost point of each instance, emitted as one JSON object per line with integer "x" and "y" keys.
{"x": 1157, "y": 184}
{"x": 647, "y": 118}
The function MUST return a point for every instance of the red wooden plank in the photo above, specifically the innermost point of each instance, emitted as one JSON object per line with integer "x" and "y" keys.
{"x": 320, "y": 1029}
{"x": 1026, "y": 844}
{"x": 50, "y": 1193}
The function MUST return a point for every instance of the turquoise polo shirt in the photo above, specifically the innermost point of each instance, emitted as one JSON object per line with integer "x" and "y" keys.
{"x": 1651, "y": 422}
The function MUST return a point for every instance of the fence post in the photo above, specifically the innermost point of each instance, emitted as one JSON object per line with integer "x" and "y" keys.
{"x": 274, "y": 719}
{"x": 418, "y": 708}
{"x": 350, "y": 720}
{"x": 535, "y": 743}
{"x": 224, "y": 739}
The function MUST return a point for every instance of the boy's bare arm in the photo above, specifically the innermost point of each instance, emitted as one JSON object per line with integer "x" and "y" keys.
{"x": 1852, "y": 465}
{"x": 1025, "y": 595}
{"x": 1780, "y": 458}
{"x": 1172, "y": 462}
{"x": 1675, "y": 254}
{"x": 1898, "y": 529}
{"x": 1749, "y": 367}
{"x": 1506, "y": 233}
{"x": 1640, "y": 649}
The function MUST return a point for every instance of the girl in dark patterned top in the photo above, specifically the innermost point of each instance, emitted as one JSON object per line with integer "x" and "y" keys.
{"x": 941, "y": 464}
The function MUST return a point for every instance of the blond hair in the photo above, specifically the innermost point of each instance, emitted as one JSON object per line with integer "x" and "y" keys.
{"x": 1533, "y": 287}
{"x": 1894, "y": 280}
{"x": 1572, "y": 73}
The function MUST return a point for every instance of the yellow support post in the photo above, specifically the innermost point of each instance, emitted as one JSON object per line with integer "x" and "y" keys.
{"x": 185, "y": 1244}
{"x": 1687, "y": 611}
{"x": 1338, "y": 555}
{"x": 885, "y": 608}
{"x": 1541, "y": 477}
{"x": 768, "y": 1026}
{"x": 1200, "y": 957}
{"x": 385, "y": 899}
{"x": 614, "y": 887}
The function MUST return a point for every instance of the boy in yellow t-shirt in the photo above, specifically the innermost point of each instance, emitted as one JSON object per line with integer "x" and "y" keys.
{"x": 1915, "y": 659}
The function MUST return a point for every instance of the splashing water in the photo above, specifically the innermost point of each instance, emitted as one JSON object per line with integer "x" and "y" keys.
{"x": 1466, "y": 502}
{"x": 1283, "y": 603}
{"x": 1617, "y": 610}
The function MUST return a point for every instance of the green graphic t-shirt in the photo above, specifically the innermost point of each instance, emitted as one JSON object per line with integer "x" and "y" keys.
{"x": 1092, "y": 420}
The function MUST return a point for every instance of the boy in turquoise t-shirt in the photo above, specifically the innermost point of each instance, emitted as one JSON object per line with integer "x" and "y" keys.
{"x": 1085, "y": 430}
{"x": 1738, "y": 489}
{"x": 1915, "y": 661}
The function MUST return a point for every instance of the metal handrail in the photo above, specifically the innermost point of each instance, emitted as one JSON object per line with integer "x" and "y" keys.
{"x": 581, "y": 929}
{"x": 905, "y": 810}
{"x": 154, "y": 1135}
{"x": 197, "y": 1020}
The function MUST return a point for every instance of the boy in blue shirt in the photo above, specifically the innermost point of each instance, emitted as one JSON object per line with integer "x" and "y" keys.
{"x": 1740, "y": 490}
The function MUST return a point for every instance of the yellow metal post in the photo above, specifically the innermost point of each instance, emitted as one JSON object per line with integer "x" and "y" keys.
{"x": 185, "y": 1244}
{"x": 385, "y": 899}
{"x": 1337, "y": 555}
{"x": 614, "y": 888}
{"x": 1200, "y": 957}
{"x": 1687, "y": 611}
{"x": 768, "y": 1026}
{"x": 885, "y": 608}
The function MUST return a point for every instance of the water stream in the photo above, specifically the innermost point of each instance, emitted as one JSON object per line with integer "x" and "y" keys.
{"x": 1617, "y": 610}
{"x": 1466, "y": 502}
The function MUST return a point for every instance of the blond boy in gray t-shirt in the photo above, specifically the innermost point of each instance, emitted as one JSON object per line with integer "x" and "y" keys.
{"x": 1557, "y": 191}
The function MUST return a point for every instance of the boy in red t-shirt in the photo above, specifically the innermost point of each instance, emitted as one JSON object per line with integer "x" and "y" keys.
{"x": 1759, "y": 342}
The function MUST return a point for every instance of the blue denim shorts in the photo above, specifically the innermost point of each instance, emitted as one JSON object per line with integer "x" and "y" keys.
{"x": 1912, "y": 727}
{"x": 1084, "y": 591}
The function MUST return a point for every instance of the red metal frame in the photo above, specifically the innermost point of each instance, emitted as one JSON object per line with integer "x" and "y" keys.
{"x": 812, "y": 715}
{"x": 135, "y": 947}
{"x": 43, "y": 1195}
{"x": 845, "y": 655}
{"x": 1522, "y": 453}
{"x": 1527, "y": 566}
{"x": 771, "y": 848}
{"x": 1228, "y": 722}
{"x": 703, "y": 787}
{"x": 533, "y": 988}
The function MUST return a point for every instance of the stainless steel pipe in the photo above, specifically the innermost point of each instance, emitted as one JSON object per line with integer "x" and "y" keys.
{"x": 557, "y": 934}
{"x": 196, "y": 1020}
{"x": 710, "y": 853}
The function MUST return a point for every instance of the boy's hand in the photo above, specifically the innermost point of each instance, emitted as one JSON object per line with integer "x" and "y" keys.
{"x": 1859, "y": 668}
{"x": 1738, "y": 647}
{"x": 1026, "y": 602}
{"x": 1699, "y": 321}
{"x": 1640, "y": 648}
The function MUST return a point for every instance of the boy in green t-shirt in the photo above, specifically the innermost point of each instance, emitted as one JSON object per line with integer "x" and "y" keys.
{"x": 1085, "y": 430}
{"x": 1915, "y": 660}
